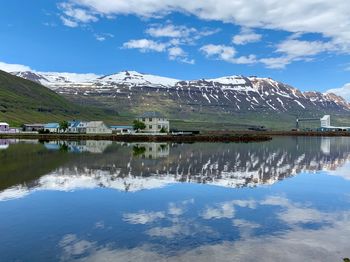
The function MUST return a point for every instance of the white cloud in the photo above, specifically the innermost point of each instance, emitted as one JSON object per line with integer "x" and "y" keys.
{"x": 173, "y": 38}
{"x": 227, "y": 209}
{"x": 103, "y": 37}
{"x": 167, "y": 232}
{"x": 145, "y": 45}
{"x": 226, "y": 53}
{"x": 13, "y": 67}
{"x": 224, "y": 210}
{"x": 177, "y": 53}
{"x": 68, "y": 22}
{"x": 328, "y": 242}
{"x": 343, "y": 91}
{"x": 72, "y": 15}
{"x": 329, "y": 18}
{"x": 183, "y": 34}
{"x": 246, "y": 36}
{"x": 143, "y": 217}
{"x": 293, "y": 49}
{"x": 276, "y": 62}
{"x": 170, "y": 30}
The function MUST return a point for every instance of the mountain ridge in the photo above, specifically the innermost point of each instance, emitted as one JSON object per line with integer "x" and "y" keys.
{"x": 249, "y": 100}
{"x": 24, "y": 101}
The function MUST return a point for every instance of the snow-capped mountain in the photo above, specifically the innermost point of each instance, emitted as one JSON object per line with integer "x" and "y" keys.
{"x": 129, "y": 78}
{"x": 133, "y": 78}
{"x": 54, "y": 78}
{"x": 224, "y": 95}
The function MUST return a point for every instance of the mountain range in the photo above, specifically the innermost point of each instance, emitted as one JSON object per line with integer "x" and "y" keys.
{"x": 23, "y": 101}
{"x": 212, "y": 103}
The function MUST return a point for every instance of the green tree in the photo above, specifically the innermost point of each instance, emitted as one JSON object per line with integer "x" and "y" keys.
{"x": 138, "y": 150}
{"x": 138, "y": 125}
{"x": 163, "y": 130}
{"x": 64, "y": 125}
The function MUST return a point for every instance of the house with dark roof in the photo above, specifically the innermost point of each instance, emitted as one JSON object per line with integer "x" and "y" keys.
{"x": 155, "y": 122}
{"x": 33, "y": 127}
{"x": 77, "y": 126}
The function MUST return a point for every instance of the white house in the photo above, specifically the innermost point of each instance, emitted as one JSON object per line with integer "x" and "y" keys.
{"x": 122, "y": 129}
{"x": 155, "y": 122}
{"x": 52, "y": 127}
{"x": 97, "y": 127}
{"x": 326, "y": 121}
{"x": 4, "y": 127}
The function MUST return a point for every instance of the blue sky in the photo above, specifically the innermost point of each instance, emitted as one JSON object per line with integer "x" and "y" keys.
{"x": 303, "y": 43}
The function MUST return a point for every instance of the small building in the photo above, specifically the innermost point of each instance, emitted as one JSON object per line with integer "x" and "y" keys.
{"x": 325, "y": 121}
{"x": 97, "y": 127}
{"x": 52, "y": 127}
{"x": 33, "y": 127}
{"x": 77, "y": 127}
{"x": 122, "y": 129}
{"x": 4, "y": 127}
{"x": 155, "y": 122}
{"x": 327, "y": 127}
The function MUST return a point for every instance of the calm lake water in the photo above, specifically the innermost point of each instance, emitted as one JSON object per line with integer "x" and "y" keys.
{"x": 283, "y": 200}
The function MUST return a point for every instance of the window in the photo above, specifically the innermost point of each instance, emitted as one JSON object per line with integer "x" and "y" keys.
{"x": 159, "y": 127}
{"x": 150, "y": 126}
{"x": 150, "y": 119}
{"x": 143, "y": 119}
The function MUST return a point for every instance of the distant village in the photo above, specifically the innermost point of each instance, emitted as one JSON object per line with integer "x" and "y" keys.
{"x": 147, "y": 123}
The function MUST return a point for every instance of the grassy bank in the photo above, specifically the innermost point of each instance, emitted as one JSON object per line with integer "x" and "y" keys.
{"x": 146, "y": 138}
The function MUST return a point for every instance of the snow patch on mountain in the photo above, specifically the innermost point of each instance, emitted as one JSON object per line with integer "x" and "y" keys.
{"x": 137, "y": 79}
{"x": 229, "y": 80}
{"x": 52, "y": 78}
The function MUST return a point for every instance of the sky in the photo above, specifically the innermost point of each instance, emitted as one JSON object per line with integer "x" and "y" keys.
{"x": 305, "y": 43}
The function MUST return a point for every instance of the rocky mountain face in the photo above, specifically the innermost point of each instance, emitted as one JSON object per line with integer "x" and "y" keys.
{"x": 225, "y": 97}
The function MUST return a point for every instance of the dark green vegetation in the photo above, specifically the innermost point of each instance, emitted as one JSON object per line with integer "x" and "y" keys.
{"x": 233, "y": 137}
{"x": 23, "y": 101}
{"x": 138, "y": 125}
{"x": 38, "y": 162}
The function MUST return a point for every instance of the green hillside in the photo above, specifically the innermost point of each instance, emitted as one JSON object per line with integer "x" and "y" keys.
{"x": 23, "y": 101}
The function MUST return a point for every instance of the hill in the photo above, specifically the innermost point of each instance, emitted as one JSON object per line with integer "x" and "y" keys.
{"x": 220, "y": 103}
{"x": 23, "y": 101}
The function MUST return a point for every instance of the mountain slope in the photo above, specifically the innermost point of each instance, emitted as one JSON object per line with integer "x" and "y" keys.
{"x": 24, "y": 101}
{"x": 230, "y": 100}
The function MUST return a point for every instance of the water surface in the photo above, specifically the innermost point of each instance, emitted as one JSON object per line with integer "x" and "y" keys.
{"x": 284, "y": 200}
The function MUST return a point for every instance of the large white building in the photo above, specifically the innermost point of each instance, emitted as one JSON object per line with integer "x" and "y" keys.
{"x": 97, "y": 127}
{"x": 155, "y": 122}
{"x": 326, "y": 125}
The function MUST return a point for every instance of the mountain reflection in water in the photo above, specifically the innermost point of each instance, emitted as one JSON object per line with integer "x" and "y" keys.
{"x": 134, "y": 167}
{"x": 107, "y": 201}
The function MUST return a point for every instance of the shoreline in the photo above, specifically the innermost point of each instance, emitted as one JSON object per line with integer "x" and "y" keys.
{"x": 296, "y": 133}
{"x": 212, "y": 138}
